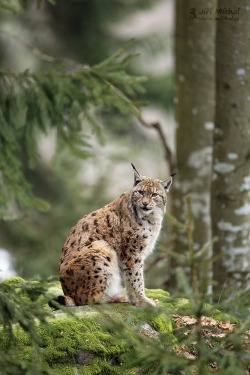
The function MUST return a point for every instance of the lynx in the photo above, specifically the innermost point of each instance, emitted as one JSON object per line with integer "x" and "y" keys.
{"x": 111, "y": 244}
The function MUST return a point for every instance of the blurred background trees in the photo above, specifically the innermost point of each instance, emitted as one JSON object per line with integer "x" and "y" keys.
{"x": 194, "y": 100}
{"x": 65, "y": 38}
{"x": 64, "y": 50}
{"x": 231, "y": 159}
{"x": 212, "y": 114}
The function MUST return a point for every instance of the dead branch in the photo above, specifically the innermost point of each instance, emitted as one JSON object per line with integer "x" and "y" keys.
{"x": 43, "y": 56}
{"x": 167, "y": 151}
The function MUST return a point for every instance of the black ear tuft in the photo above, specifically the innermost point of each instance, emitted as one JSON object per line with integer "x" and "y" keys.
{"x": 134, "y": 168}
{"x": 137, "y": 176}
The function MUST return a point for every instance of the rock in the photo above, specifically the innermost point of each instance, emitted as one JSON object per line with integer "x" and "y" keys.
{"x": 89, "y": 339}
{"x": 147, "y": 329}
{"x": 84, "y": 357}
{"x": 97, "y": 339}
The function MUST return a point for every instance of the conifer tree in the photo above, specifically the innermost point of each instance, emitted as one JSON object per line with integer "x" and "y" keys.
{"x": 231, "y": 163}
{"x": 63, "y": 97}
{"x": 194, "y": 111}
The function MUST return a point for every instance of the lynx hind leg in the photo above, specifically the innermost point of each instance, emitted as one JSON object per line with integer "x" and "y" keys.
{"x": 113, "y": 293}
{"x": 111, "y": 274}
{"x": 93, "y": 275}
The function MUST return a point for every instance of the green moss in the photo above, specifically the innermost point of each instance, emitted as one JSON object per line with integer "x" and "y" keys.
{"x": 162, "y": 323}
{"x": 97, "y": 367}
{"x": 66, "y": 335}
{"x": 13, "y": 280}
{"x": 157, "y": 294}
{"x": 92, "y": 331}
{"x": 65, "y": 369}
{"x": 179, "y": 305}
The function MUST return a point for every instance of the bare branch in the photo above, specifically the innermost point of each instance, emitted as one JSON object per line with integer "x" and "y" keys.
{"x": 43, "y": 56}
{"x": 167, "y": 151}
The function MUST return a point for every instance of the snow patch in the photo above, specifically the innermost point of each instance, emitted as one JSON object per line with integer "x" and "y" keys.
{"x": 200, "y": 160}
{"x": 229, "y": 227}
{"x": 246, "y": 184}
{"x": 241, "y": 250}
{"x": 224, "y": 168}
{"x": 232, "y": 156}
{"x": 236, "y": 260}
{"x": 241, "y": 72}
{"x": 244, "y": 210}
{"x": 209, "y": 125}
{"x": 200, "y": 206}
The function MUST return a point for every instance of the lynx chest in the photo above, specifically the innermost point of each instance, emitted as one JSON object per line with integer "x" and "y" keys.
{"x": 149, "y": 233}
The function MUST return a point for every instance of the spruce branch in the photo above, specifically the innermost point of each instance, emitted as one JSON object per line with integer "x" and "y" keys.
{"x": 20, "y": 305}
{"x": 61, "y": 98}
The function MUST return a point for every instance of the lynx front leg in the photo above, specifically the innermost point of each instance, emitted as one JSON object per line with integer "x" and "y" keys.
{"x": 132, "y": 271}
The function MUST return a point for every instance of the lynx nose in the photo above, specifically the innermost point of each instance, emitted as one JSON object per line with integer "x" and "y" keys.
{"x": 145, "y": 206}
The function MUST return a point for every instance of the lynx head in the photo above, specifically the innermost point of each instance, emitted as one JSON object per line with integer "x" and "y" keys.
{"x": 149, "y": 195}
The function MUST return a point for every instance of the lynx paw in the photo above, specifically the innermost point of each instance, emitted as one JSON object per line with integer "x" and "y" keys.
{"x": 151, "y": 301}
{"x": 145, "y": 301}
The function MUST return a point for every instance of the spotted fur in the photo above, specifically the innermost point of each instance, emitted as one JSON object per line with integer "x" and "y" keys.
{"x": 112, "y": 243}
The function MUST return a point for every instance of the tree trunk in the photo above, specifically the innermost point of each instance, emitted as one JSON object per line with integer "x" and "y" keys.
{"x": 230, "y": 205}
{"x": 194, "y": 112}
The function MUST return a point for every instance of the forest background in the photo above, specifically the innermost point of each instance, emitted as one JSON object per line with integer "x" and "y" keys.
{"x": 87, "y": 32}
{"x": 79, "y": 102}
{"x": 46, "y": 61}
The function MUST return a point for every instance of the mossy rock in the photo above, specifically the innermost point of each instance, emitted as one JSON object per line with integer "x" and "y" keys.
{"x": 86, "y": 339}
{"x": 91, "y": 340}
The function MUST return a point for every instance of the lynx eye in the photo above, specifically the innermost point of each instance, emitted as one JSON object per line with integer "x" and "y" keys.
{"x": 140, "y": 192}
{"x": 155, "y": 195}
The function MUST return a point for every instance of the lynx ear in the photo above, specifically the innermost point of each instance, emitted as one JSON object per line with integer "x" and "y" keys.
{"x": 167, "y": 183}
{"x": 137, "y": 176}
